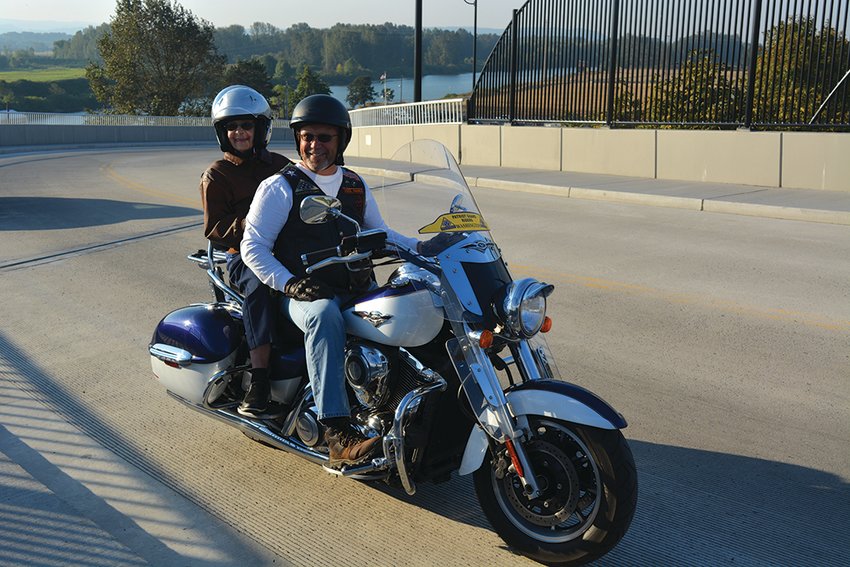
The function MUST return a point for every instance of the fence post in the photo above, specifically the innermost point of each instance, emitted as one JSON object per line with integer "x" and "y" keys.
{"x": 514, "y": 48}
{"x": 751, "y": 76}
{"x": 612, "y": 60}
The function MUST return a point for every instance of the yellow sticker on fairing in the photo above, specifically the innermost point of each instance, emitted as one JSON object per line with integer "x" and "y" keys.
{"x": 456, "y": 222}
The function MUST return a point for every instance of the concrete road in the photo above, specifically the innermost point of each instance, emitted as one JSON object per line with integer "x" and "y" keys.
{"x": 724, "y": 340}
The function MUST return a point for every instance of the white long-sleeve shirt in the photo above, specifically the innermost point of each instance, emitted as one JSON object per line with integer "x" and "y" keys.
{"x": 269, "y": 212}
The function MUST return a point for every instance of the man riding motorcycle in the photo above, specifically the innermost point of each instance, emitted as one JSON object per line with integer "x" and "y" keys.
{"x": 276, "y": 237}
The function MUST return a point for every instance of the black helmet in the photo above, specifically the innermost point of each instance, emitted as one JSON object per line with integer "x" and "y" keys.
{"x": 323, "y": 109}
{"x": 239, "y": 101}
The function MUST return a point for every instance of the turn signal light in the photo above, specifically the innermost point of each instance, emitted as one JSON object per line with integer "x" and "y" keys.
{"x": 547, "y": 325}
{"x": 486, "y": 339}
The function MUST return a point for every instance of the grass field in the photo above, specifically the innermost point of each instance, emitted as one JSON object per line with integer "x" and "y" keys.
{"x": 43, "y": 75}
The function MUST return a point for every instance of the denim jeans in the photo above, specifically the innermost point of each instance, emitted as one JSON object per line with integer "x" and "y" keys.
{"x": 324, "y": 339}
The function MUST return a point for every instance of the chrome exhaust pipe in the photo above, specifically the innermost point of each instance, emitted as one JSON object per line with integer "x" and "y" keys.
{"x": 257, "y": 430}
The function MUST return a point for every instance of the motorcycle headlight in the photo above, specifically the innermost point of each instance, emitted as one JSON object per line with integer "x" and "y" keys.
{"x": 525, "y": 306}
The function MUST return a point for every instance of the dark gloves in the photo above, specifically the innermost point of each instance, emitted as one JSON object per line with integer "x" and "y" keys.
{"x": 307, "y": 289}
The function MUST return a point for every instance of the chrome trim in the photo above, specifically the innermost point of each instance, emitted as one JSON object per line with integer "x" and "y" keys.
{"x": 338, "y": 260}
{"x": 209, "y": 263}
{"x": 371, "y": 389}
{"x": 213, "y": 380}
{"x": 394, "y": 439}
{"x": 257, "y": 430}
{"x": 168, "y": 353}
{"x": 376, "y": 318}
{"x": 528, "y": 369}
{"x": 517, "y": 292}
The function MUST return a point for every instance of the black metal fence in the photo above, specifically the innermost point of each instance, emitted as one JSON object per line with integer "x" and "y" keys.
{"x": 760, "y": 64}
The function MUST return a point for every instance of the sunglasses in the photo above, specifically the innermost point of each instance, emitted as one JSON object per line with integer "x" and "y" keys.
{"x": 323, "y": 138}
{"x": 233, "y": 126}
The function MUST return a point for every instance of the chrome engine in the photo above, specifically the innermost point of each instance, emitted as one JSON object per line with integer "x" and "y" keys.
{"x": 367, "y": 370}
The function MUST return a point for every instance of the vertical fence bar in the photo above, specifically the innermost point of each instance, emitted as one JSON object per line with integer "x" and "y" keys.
{"x": 612, "y": 61}
{"x": 751, "y": 80}
{"x": 513, "y": 69}
{"x": 843, "y": 62}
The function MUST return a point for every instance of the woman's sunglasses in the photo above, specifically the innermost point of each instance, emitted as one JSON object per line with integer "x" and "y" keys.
{"x": 233, "y": 126}
{"x": 323, "y": 138}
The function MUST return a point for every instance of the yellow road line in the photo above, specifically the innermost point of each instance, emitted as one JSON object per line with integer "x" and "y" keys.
{"x": 776, "y": 314}
{"x": 110, "y": 172}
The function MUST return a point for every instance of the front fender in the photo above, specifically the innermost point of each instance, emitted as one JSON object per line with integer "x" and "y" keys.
{"x": 557, "y": 400}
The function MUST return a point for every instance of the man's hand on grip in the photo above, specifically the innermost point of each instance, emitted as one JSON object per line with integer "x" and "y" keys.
{"x": 307, "y": 289}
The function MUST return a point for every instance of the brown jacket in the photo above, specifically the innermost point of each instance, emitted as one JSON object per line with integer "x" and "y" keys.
{"x": 227, "y": 188}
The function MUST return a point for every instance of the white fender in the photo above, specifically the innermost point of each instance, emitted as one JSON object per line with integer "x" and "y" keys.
{"x": 533, "y": 402}
{"x": 473, "y": 455}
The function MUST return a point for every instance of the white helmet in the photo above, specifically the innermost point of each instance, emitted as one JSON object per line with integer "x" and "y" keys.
{"x": 239, "y": 101}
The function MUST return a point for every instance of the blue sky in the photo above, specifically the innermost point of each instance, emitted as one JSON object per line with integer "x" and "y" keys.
{"x": 280, "y": 13}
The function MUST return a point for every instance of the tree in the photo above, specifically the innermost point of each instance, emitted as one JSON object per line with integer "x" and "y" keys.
{"x": 82, "y": 46}
{"x": 360, "y": 91}
{"x": 157, "y": 58}
{"x": 701, "y": 91}
{"x": 251, "y": 74}
{"x": 7, "y": 96}
{"x": 309, "y": 83}
{"x": 797, "y": 68}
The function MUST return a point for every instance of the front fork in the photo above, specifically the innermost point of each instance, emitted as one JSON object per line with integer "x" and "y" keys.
{"x": 493, "y": 412}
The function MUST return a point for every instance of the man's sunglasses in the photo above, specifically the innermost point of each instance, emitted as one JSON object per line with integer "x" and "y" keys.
{"x": 233, "y": 126}
{"x": 323, "y": 138}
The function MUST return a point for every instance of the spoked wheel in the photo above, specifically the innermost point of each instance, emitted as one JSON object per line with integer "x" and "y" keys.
{"x": 588, "y": 493}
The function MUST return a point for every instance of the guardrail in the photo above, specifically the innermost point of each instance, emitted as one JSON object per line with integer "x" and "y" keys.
{"x": 448, "y": 111}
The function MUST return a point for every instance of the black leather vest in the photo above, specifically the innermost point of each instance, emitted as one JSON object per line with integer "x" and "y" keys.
{"x": 297, "y": 237}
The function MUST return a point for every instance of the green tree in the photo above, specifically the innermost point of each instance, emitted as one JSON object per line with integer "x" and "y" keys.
{"x": 82, "y": 46}
{"x": 309, "y": 83}
{"x": 281, "y": 100}
{"x": 360, "y": 91}
{"x": 797, "y": 68}
{"x": 7, "y": 96}
{"x": 157, "y": 57}
{"x": 251, "y": 74}
{"x": 701, "y": 91}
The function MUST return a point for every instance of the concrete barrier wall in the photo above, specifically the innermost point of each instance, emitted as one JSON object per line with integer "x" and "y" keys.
{"x": 800, "y": 160}
{"x": 749, "y": 158}
{"x": 617, "y": 152}
{"x": 816, "y": 161}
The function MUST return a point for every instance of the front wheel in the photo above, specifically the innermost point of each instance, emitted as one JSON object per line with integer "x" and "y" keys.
{"x": 588, "y": 493}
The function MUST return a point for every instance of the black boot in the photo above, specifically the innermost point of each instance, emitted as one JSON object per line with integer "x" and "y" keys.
{"x": 256, "y": 400}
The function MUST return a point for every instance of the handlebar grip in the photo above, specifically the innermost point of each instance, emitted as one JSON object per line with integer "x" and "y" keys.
{"x": 317, "y": 256}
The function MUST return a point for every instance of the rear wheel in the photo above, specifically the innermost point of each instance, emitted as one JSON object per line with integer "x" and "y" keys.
{"x": 588, "y": 493}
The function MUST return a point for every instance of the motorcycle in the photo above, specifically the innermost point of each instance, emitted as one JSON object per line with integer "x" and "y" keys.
{"x": 446, "y": 361}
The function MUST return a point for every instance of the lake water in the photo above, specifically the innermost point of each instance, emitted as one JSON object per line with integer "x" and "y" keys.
{"x": 434, "y": 87}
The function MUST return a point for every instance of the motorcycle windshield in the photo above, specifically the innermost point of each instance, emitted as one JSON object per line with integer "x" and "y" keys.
{"x": 424, "y": 197}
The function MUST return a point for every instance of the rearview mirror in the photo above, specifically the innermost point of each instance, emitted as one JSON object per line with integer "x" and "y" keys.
{"x": 318, "y": 209}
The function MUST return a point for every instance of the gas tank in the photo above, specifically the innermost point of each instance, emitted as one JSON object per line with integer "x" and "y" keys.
{"x": 403, "y": 315}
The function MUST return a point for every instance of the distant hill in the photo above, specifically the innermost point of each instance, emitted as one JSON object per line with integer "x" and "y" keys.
{"x": 37, "y": 41}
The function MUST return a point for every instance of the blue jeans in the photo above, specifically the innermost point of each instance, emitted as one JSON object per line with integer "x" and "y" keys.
{"x": 324, "y": 340}
{"x": 258, "y": 314}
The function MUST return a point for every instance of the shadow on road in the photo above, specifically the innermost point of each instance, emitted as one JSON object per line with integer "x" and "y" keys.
{"x": 701, "y": 507}
{"x": 55, "y": 213}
